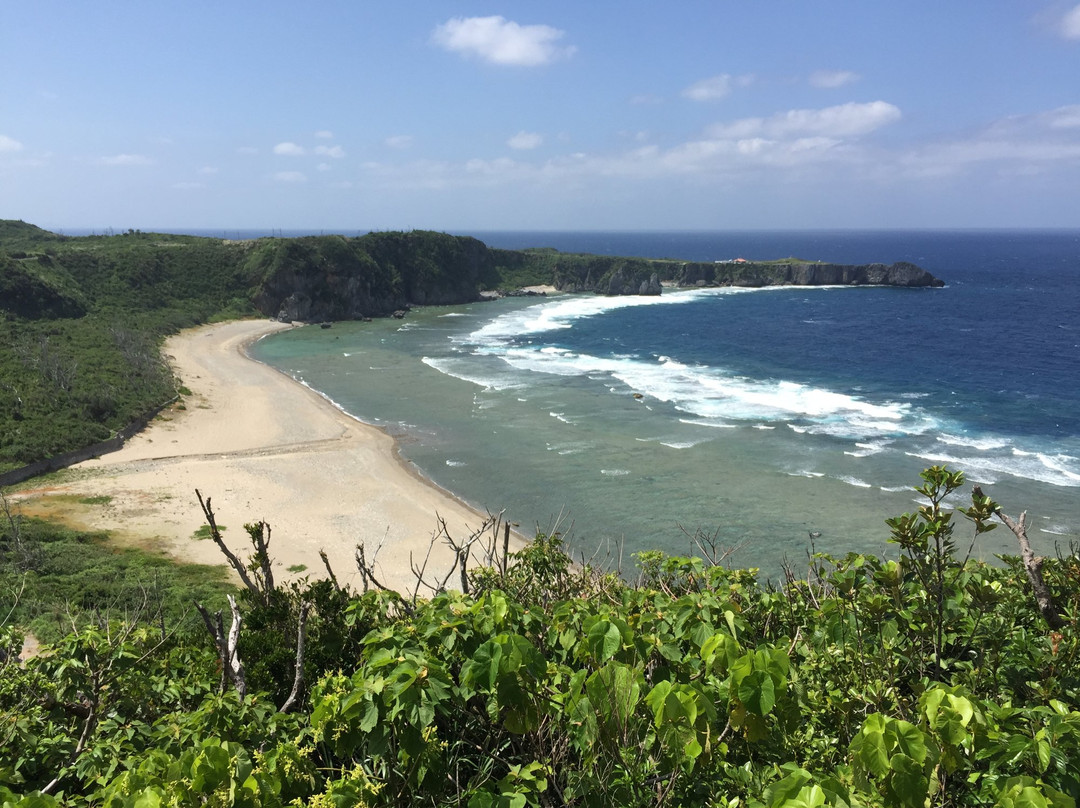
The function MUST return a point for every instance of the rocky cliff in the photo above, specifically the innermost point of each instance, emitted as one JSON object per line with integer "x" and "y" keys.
{"x": 801, "y": 273}
{"x": 636, "y": 276}
{"x": 337, "y": 278}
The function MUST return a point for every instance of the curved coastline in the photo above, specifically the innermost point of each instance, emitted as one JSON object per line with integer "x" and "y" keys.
{"x": 263, "y": 447}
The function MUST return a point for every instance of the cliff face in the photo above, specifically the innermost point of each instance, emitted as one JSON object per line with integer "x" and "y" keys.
{"x": 799, "y": 273}
{"x": 336, "y": 278}
{"x": 632, "y": 276}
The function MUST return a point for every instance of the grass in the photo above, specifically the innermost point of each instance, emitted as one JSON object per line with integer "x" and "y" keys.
{"x": 53, "y": 575}
{"x": 104, "y": 499}
{"x": 203, "y": 532}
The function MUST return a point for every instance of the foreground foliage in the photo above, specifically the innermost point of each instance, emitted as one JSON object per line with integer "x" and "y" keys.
{"x": 929, "y": 679}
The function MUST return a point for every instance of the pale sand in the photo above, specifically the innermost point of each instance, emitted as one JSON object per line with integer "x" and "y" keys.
{"x": 263, "y": 447}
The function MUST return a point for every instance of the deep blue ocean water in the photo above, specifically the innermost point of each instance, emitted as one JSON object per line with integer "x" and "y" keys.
{"x": 759, "y": 415}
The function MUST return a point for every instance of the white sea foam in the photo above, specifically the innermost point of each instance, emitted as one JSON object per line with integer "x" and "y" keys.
{"x": 709, "y": 422}
{"x": 703, "y": 392}
{"x": 682, "y": 444}
{"x": 869, "y": 449}
{"x": 614, "y": 472}
{"x": 561, "y": 416}
{"x": 984, "y": 444}
{"x": 1060, "y": 470}
{"x": 855, "y": 481}
{"x": 469, "y": 371}
{"x": 718, "y": 398}
{"x": 576, "y": 447}
{"x": 562, "y": 313}
{"x": 456, "y": 463}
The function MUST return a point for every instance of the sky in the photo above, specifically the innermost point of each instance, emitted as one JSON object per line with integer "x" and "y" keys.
{"x": 356, "y": 115}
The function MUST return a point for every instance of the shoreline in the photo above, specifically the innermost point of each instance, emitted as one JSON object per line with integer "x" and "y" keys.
{"x": 262, "y": 446}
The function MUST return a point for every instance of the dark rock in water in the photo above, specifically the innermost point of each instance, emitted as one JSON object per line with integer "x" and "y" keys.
{"x": 399, "y": 315}
{"x": 325, "y": 325}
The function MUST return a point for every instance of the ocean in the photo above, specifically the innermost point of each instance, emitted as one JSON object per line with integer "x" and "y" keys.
{"x": 768, "y": 420}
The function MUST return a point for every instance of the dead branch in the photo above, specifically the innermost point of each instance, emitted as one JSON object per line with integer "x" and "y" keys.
{"x": 260, "y": 540}
{"x": 329, "y": 569}
{"x": 298, "y": 675}
{"x": 366, "y": 569}
{"x": 435, "y": 585}
{"x": 1032, "y": 566}
{"x": 231, "y": 666}
{"x": 215, "y": 534}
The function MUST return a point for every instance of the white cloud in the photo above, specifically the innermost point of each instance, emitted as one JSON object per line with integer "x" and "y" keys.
{"x": 208, "y": 170}
{"x": 1017, "y": 145}
{"x": 290, "y": 176}
{"x": 709, "y": 89}
{"x": 1070, "y": 24}
{"x": 497, "y": 166}
{"x": 289, "y": 149}
{"x": 323, "y": 167}
{"x": 525, "y": 140}
{"x": 127, "y": 160}
{"x": 330, "y": 151}
{"x": 808, "y": 148}
{"x": 324, "y": 134}
{"x": 501, "y": 41}
{"x": 1063, "y": 117}
{"x": 247, "y": 150}
{"x": 716, "y": 87}
{"x": 399, "y": 141}
{"x": 830, "y": 79}
{"x": 9, "y": 144}
{"x": 843, "y": 120}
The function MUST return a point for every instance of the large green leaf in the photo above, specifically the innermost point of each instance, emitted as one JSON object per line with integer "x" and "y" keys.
{"x": 757, "y": 692}
{"x": 604, "y": 640}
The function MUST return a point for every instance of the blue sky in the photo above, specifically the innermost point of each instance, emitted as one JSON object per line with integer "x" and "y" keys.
{"x": 372, "y": 114}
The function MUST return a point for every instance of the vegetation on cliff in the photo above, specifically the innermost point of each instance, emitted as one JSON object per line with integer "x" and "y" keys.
{"x": 925, "y": 680}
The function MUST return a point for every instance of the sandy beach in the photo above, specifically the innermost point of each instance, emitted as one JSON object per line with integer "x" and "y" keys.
{"x": 263, "y": 447}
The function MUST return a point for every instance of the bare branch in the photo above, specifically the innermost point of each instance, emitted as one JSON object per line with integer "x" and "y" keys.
{"x": 298, "y": 674}
{"x": 329, "y": 570}
{"x": 215, "y": 534}
{"x": 231, "y": 666}
{"x": 1033, "y": 567}
{"x": 260, "y": 540}
{"x": 366, "y": 569}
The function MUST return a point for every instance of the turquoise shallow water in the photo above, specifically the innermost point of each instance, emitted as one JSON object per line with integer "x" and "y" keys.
{"x": 620, "y": 474}
{"x": 760, "y": 416}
